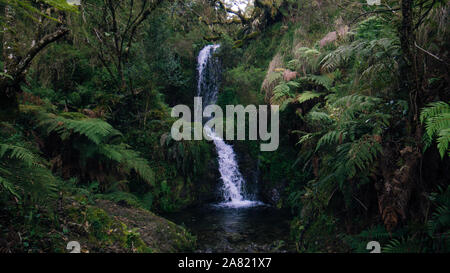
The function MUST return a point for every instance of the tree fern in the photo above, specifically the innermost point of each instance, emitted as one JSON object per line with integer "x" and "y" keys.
{"x": 325, "y": 81}
{"x": 307, "y": 95}
{"x": 317, "y": 116}
{"x": 96, "y": 130}
{"x": 283, "y": 92}
{"x": 306, "y": 60}
{"x": 360, "y": 154}
{"x": 341, "y": 56}
{"x": 104, "y": 142}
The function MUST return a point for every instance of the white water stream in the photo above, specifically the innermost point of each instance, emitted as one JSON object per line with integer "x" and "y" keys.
{"x": 233, "y": 189}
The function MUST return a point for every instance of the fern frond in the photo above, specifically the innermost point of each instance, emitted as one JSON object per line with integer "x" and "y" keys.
{"x": 330, "y": 138}
{"x": 9, "y": 187}
{"x": 341, "y": 56}
{"x": 434, "y": 109}
{"x": 19, "y": 153}
{"x": 436, "y": 117}
{"x": 129, "y": 159}
{"x": 402, "y": 246}
{"x": 24, "y": 173}
{"x": 323, "y": 80}
{"x": 359, "y": 155}
{"x": 307, "y": 95}
{"x": 282, "y": 92}
{"x": 439, "y": 219}
{"x": 273, "y": 77}
{"x": 319, "y": 116}
{"x": 96, "y": 130}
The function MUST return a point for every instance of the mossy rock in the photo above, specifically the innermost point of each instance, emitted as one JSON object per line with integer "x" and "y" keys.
{"x": 109, "y": 227}
{"x": 159, "y": 234}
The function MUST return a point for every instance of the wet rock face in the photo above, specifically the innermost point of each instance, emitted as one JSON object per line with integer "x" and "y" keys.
{"x": 248, "y": 167}
{"x": 273, "y": 191}
{"x": 200, "y": 189}
{"x": 206, "y": 188}
{"x": 274, "y": 196}
{"x": 269, "y": 192}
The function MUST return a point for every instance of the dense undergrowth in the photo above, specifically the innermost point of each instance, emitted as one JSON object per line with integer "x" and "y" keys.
{"x": 348, "y": 130}
{"x": 363, "y": 152}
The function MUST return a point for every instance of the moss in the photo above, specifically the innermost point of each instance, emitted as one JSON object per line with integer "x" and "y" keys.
{"x": 183, "y": 240}
{"x": 99, "y": 232}
{"x": 322, "y": 235}
{"x": 135, "y": 242}
{"x": 122, "y": 197}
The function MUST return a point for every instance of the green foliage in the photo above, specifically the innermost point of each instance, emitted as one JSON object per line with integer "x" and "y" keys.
{"x": 103, "y": 142}
{"x": 24, "y": 174}
{"x": 121, "y": 197}
{"x": 96, "y": 130}
{"x": 439, "y": 221}
{"x": 308, "y": 95}
{"x": 436, "y": 117}
{"x": 359, "y": 241}
{"x": 345, "y": 101}
{"x": 282, "y": 93}
{"x": 241, "y": 86}
{"x": 30, "y": 10}
{"x": 320, "y": 80}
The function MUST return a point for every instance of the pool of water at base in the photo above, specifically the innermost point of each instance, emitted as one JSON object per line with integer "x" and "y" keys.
{"x": 254, "y": 229}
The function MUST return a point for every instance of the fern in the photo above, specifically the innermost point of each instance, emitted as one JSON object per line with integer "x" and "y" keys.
{"x": 129, "y": 160}
{"x": 133, "y": 161}
{"x": 283, "y": 92}
{"x": 24, "y": 155}
{"x": 96, "y": 130}
{"x": 330, "y": 138}
{"x": 437, "y": 123}
{"x": 9, "y": 187}
{"x": 341, "y": 56}
{"x": 360, "y": 154}
{"x": 307, "y": 95}
{"x": 325, "y": 81}
{"x": 316, "y": 116}
{"x": 402, "y": 246}
{"x": 439, "y": 219}
{"x": 23, "y": 172}
{"x": 103, "y": 138}
{"x": 307, "y": 60}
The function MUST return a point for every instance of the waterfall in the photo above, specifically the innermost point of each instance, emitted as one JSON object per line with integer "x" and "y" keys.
{"x": 233, "y": 188}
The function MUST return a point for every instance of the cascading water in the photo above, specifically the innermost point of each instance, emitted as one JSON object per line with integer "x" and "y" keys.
{"x": 233, "y": 189}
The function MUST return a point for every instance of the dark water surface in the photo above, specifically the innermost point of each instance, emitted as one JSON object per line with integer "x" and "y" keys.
{"x": 252, "y": 229}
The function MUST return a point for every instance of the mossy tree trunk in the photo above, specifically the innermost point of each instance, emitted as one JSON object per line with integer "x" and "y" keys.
{"x": 8, "y": 91}
{"x": 16, "y": 64}
{"x": 400, "y": 182}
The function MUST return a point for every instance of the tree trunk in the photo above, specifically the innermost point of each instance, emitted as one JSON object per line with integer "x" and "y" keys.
{"x": 395, "y": 191}
{"x": 15, "y": 66}
{"x": 9, "y": 106}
